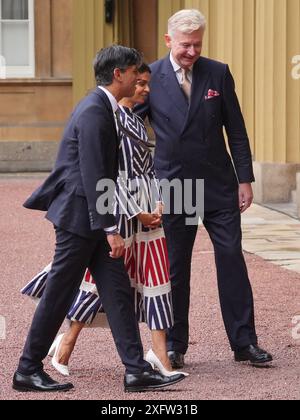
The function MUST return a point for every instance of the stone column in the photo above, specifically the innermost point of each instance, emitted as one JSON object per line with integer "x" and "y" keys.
{"x": 90, "y": 33}
{"x": 277, "y": 104}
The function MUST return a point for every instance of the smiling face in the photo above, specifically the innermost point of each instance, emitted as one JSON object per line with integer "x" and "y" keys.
{"x": 142, "y": 88}
{"x": 186, "y": 48}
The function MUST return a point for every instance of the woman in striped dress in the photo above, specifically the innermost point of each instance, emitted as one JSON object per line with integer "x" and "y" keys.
{"x": 138, "y": 209}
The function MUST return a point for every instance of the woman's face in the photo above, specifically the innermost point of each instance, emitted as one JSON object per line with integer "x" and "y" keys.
{"x": 142, "y": 88}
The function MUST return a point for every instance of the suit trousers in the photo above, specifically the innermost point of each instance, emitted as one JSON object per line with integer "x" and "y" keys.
{"x": 73, "y": 255}
{"x": 235, "y": 293}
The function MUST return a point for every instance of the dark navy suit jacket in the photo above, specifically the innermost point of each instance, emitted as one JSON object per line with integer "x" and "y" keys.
{"x": 87, "y": 154}
{"x": 190, "y": 142}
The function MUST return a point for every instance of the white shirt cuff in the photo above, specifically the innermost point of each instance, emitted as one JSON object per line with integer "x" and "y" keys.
{"x": 111, "y": 229}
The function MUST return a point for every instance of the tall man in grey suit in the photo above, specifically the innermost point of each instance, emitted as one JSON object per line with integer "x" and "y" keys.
{"x": 86, "y": 235}
{"x": 192, "y": 99}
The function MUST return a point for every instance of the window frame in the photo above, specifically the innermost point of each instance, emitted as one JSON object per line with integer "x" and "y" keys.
{"x": 19, "y": 72}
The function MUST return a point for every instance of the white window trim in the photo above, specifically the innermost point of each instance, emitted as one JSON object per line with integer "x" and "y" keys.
{"x": 20, "y": 72}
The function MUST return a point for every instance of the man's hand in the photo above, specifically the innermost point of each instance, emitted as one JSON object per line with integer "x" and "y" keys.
{"x": 149, "y": 220}
{"x": 117, "y": 245}
{"x": 245, "y": 196}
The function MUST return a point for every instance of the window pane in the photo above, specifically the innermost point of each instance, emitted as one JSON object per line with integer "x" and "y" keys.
{"x": 15, "y": 43}
{"x": 14, "y": 9}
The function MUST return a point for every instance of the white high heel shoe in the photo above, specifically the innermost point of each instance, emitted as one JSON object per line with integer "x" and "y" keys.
{"x": 53, "y": 352}
{"x": 155, "y": 362}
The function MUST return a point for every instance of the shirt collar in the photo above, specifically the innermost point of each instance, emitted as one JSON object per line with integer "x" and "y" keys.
{"x": 112, "y": 99}
{"x": 176, "y": 66}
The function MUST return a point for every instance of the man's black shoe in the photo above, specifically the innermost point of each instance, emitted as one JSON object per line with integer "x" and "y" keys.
{"x": 176, "y": 359}
{"x": 149, "y": 381}
{"x": 39, "y": 381}
{"x": 254, "y": 355}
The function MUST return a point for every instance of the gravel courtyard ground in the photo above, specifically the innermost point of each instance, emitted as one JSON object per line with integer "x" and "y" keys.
{"x": 27, "y": 243}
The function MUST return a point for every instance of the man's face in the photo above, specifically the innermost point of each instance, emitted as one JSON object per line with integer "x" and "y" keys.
{"x": 129, "y": 80}
{"x": 185, "y": 48}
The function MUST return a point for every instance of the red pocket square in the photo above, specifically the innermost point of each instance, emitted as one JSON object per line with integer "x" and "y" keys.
{"x": 211, "y": 94}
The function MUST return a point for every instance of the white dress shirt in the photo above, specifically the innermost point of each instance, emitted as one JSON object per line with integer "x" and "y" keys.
{"x": 179, "y": 71}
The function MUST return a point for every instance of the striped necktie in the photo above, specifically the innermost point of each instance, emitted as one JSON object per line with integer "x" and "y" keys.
{"x": 186, "y": 84}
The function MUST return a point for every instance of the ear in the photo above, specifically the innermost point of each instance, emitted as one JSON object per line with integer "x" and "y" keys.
{"x": 117, "y": 74}
{"x": 168, "y": 41}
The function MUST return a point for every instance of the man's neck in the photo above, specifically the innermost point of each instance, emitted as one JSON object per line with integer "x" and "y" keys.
{"x": 127, "y": 103}
{"x": 114, "y": 91}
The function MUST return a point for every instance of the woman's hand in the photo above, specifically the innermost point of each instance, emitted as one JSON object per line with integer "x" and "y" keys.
{"x": 159, "y": 209}
{"x": 149, "y": 220}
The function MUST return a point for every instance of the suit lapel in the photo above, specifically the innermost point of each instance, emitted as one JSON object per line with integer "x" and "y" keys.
{"x": 200, "y": 80}
{"x": 105, "y": 99}
{"x": 107, "y": 104}
{"x": 170, "y": 83}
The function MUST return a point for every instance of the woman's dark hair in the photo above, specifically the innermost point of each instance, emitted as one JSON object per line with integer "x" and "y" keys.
{"x": 144, "y": 68}
{"x": 111, "y": 58}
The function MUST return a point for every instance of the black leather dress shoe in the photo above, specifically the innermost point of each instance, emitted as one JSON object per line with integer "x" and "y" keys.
{"x": 254, "y": 355}
{"x": 39, "y": 381}
{"x": 148, "y": 381}
{"x": 176, "y": 359}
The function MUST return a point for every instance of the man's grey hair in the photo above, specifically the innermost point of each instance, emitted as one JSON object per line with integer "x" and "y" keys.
{"x": 186, "y": 21}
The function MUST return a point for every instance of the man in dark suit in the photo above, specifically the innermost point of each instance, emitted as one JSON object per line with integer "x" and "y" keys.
{"x": 86, "y": 235}
{"x": 192, "y": 99}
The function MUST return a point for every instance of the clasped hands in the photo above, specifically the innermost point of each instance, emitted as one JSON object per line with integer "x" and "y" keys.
{"x": 152, "y": 220}
{"x": 149, "y": 220}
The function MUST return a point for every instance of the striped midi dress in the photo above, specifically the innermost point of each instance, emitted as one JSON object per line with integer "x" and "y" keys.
{"x": 145, "y": 256}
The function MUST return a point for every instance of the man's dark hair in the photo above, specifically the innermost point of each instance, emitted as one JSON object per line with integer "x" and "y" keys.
{"x": 111, "y": 58}
{"x": 144, "y": 68}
